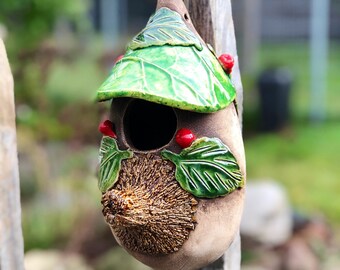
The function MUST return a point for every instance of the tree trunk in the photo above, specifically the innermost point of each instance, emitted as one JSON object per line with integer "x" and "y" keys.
{"x": 11, "y": 241}
{"x": 213, "y": 21}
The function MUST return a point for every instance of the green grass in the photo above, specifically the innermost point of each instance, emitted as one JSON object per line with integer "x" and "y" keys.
{"x": 305, "y": 161}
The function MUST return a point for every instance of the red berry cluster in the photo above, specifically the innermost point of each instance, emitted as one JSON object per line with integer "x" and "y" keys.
{"x": 119, "y": 58}
{"x": 227, "y": 62}
{"x": 106, "y": 128}
{"x": 185, "y": 137}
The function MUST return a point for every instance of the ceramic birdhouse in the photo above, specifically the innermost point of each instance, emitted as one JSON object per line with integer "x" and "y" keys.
{"x": 171, "y": 158}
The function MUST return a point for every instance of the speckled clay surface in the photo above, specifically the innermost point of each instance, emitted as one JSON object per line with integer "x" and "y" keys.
{"x": 169, "y": 64}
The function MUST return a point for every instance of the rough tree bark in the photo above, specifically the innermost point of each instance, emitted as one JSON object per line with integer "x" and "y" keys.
{"x": 213, "y": 21}
{"x": 11, "y": 241}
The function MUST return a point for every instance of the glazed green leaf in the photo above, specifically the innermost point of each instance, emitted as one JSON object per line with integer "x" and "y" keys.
{"x": 167, "y": 64}
{"x": 176, "y": 76}
{"x": 110, "y": 162}
{"x": 206, "y": 169}
{"x": 165, "y": 27}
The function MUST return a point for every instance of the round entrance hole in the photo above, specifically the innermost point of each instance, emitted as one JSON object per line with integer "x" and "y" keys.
{"x": 149, "y": 125}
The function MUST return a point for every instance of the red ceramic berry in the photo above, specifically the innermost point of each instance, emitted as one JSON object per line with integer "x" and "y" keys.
{"x": 106, "y": 128}
{"x": 227, "y": 62}
{"x": 185, "y": 137}
{"x": 119, "y": 58}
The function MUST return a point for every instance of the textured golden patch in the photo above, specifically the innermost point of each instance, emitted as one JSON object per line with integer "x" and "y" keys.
{"x": 147, "y": 209}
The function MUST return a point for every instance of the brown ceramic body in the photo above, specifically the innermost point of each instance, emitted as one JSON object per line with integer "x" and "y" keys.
{"x": 218, "y": 219}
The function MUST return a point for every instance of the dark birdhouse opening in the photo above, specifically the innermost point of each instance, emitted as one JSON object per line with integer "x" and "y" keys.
{"x": 149, "y": 125}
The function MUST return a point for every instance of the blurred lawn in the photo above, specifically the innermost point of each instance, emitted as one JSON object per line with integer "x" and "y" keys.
{"x": 305, "y": 161}
{"x": 304, "y": 158}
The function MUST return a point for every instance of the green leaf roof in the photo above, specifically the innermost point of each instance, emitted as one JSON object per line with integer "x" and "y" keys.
{"x": 166, "y": 27}
{"x": 167, "y": 64}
